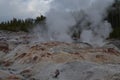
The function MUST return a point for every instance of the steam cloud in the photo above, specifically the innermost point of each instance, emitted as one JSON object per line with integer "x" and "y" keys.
{"x": 86, "y": 15}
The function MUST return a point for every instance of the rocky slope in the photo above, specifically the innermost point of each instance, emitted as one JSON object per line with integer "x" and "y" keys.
{"x": 22, "y": 60}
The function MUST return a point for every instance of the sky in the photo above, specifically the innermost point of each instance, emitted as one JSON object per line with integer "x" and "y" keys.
{"x": 31, "y": 8}
{"x": 22, "y": 8}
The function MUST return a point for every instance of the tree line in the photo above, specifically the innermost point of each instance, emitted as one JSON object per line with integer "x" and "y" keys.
{"x": 22, "y": 25}
{"x": 114, "y": 18}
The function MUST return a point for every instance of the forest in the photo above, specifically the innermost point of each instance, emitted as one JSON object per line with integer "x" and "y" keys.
{"x": 22, "y": 25}
{"x": 114, "y": 18}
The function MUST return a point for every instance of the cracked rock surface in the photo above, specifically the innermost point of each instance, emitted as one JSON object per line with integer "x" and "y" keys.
{"x": 22, "y": 60}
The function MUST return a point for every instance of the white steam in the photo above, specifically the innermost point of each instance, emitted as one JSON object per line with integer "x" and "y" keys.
{"x": 87, "y": 15}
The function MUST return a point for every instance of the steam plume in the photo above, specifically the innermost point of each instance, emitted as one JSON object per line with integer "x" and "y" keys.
{"x": 86, "y": 15}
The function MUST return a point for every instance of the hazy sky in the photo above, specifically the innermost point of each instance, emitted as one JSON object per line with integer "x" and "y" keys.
{"x": 32, "y": 8}
{"x": 22, "y": 8}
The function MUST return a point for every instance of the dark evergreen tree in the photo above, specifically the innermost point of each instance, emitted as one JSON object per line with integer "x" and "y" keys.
{"x": 114, "y": 18}
{"x": 22, "y": 25}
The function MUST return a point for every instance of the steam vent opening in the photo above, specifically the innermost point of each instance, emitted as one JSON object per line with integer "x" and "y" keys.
{"x": 60, "y": 40}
